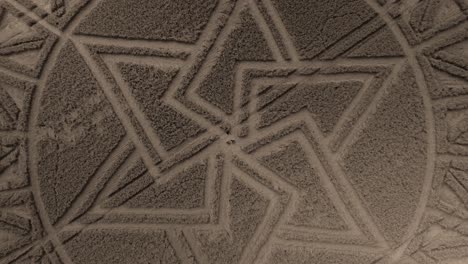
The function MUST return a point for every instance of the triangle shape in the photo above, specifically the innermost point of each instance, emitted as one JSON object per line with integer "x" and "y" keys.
{"x": 326, "y": 101}
{"x": 314, "y": 208}
{"x": 245, "y": 42}
{"x": 347, "y": 224}
{"x": 147, "y": 84}
{"x": 381, "y": 44}
{"x": 107, "y": 58}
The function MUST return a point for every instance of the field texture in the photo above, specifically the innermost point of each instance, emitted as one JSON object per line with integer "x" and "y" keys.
{"x": 225, "y": 132}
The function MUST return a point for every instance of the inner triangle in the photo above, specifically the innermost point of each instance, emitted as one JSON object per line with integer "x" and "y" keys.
{"x": 147, "y": 85}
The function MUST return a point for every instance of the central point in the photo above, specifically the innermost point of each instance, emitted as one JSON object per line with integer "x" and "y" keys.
{"x": 230, "y": 140}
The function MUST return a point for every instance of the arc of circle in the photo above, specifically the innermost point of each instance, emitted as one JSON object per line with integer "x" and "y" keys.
{"x": 429, "y": 117}
{"x": 49, "y": 228}
{"x": 409, "y": 52}
{"x": 63, "y": 36}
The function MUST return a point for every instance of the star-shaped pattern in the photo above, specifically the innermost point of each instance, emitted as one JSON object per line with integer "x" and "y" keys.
{"x": 246, "y": 135}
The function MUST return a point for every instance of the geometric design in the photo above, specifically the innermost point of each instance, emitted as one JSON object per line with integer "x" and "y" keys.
{"x": 233, "y": 131}
{"x": 24, "y": 46}
{"x": 217, "y": 87}
{"x": 314, "y": 208}
{"x": 345, "y": 224}
{"x": 284, "y": 96}
{"x": 147, "y": 84}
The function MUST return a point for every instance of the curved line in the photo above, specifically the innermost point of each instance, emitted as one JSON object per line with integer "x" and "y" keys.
{"x": 32, "y": 155}
{"x": 430, "y": 126}
{"x": 63, "y": 37}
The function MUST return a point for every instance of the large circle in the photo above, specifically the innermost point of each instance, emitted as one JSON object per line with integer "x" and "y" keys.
{"x": 322, "y": 95}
